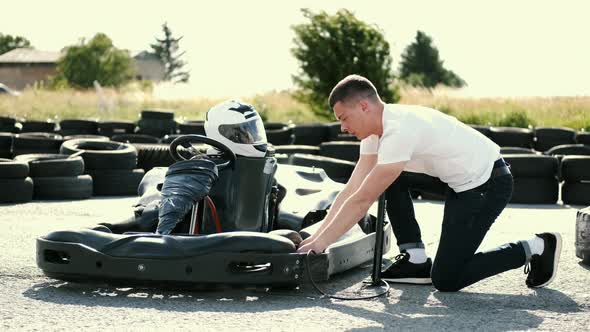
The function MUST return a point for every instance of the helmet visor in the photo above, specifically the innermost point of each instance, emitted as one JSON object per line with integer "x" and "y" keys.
{"x": 249, "y": 132}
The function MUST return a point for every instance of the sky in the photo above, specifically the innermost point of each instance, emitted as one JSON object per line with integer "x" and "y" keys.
{"x": 240, "y": 48}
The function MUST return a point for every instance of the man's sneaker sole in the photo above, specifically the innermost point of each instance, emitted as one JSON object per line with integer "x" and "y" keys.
{"x": 413, "y": 281}
{"x": 556, "y": 256}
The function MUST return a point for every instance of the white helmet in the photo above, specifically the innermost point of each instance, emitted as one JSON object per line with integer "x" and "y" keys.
{"x": 238, "y": 126}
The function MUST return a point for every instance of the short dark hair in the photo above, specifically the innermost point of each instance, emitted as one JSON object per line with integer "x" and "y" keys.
{"x": 352, "y": 86}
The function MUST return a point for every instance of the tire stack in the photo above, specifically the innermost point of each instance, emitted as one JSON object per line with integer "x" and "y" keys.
{"x": 158, "y": 123}
{"x": 337, "y": 169}
{"x": 15, "y": 185}
{"x": 9, "y": 125}
{"x": 134, "y": 138}
{"x": 513, "y": 137}
{"x": 110, "y": 128}
{"x": 279, "y": 133}
{"x": 28, "y": 143}
{"x": 575, "y": 172}
{"x": 510, "y": 150}
{"x": 78, "y": 127}
{"x": 583, "y": 137}
{"x": 196, "y": 127}
{"x": 335, "y": 134}
{"x": 311, "y": 134}
{"x": 6, "y": 140}
{"x": 57, "y": 176}
{"x": 549, "y": 137}
{"x": 344, "y": 150}
{"x": 38, "y": 126}
{"x": 535, "y": 178}
{"x": 112, "y": 165}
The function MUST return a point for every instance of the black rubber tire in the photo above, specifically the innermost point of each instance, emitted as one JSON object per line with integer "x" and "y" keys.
{"x": 102, "y": 155}
{"x": 575, "y": 193}
{"x": 575, "y": 168}
{"x": 485, "y": 130}
{"x": 292, "y": 149}
{"x": 111, "y": 128}
{"x": 78, "y": 127}
{"x": 36, "y": 142}
{"x": 134, "y": 138}
{"x": 511, "y": 150}
{"x": 548, "y": 137}
{"x": 341, "y": 150}
{"x": 311, "y": 134}
{"x": 569, "y": 149}
{"x": 279, "y": 133}
{"x": 6, "y": 141}
{"x": 21, "y": 190}
{"x": 532, "y": 165}
{"x": 510, "y": 136}
{"x": 583, "y": 137}
{"x": 7, "y": 121}
{"x": 38, "y": 126}
{"x": 157, "y": 114}
{"x": 535, "y": 191}
{"x": 88, "y": 137}
{"x": 337, "y": 169}
{"x": 52, "y": 165}
{"x": 116, "y": 182}
{"x": 192, "y": 127}
{"x": 11, "y": 169}
{"x": 10, "y": 129}
{"x": 153, "y": 155}
{"x": 63, "y": 187}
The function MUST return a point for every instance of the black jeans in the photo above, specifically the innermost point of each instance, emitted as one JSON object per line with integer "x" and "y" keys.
{"x": 468, "y": 216}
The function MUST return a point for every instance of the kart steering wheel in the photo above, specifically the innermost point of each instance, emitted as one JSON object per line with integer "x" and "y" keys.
{"x": 227, "y": 158}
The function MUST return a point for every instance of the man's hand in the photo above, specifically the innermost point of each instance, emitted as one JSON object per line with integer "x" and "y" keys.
{"x": 314, "y": 245}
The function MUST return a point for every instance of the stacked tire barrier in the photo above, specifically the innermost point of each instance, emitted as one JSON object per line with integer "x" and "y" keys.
{"x": 57, "y": 176}
{"x": 16, "y": 186}
{"x": 110, "y": 128}
{"x": 38, "y": 126}
{"x": 28, "y": 143}
{"x": 574, "y": 171}
{"x": 549, "y": 137}
{"x": 78, "y": 127}
{"x": 279, "y": 133}
{"x": 583, "y": 235}
{"x": 513, "y": 137}
{"x": 312, "y": 134}
{"x": 535, "y": 178}
{"x": 112, "y": 165}
{"x": 158, "y": 123}
{"x": 9, "y": 125}
{"x": 6, "y": 141}
{"x": 196, "y": 127}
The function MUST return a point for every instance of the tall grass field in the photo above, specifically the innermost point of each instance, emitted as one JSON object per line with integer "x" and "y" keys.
{"x": 126, "y": 104}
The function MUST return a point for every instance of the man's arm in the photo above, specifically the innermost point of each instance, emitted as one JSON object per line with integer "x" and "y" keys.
{"x": 364, "y": 165}
{"x": 356, "y": 206}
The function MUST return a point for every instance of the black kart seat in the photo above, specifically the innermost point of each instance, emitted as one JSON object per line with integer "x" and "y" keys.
{"x": 167, "y": 246}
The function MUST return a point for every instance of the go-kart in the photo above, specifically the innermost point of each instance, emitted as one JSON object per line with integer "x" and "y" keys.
{"x": 249, "y": 236}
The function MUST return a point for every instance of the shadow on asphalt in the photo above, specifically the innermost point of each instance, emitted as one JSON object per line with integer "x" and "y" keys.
{"x": 406, "y": 306}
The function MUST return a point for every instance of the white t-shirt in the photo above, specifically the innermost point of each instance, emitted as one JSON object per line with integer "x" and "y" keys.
{"x": 433, "y": 143}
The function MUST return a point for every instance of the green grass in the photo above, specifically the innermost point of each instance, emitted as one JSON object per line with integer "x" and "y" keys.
{"x": 41, "y": 104}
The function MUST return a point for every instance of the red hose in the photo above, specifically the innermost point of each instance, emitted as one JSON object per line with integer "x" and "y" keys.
{"x": 214, "y": 212}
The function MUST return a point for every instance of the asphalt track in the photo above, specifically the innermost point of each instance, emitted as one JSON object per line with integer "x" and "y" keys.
{"x": 31, "y": 301}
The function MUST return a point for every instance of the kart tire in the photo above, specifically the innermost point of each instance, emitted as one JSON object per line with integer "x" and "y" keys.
{"x": 153, "y": 155}
{"x": 116, "y": 182}
{"x": 192, "y": 127}
{"x": 292, "y": 149}
{"x": 485, "y": 130}
{"x": 509, "y": 136}
{"x": 549, "y": 137}
{"x": 63, "y": 187}
{"x": 338, "y": 170}
{"x": 78, "y": 127}
{"x": 38, "y": 126}
{"x": 157, "y": 114}
{"x": 134, "y": 138}
{"x": 535, "y": 190}
{"x": 341, "y": 150}
{"x": 569, "y": 149}
{"x": 11, "y": 169}
{"x": 529, "y": 165}
{"x": 52, "y": 165}
{"x": 102, "y": 155}
{"x": 575, "y": 168}
{"x": 512, "y": 150}
{"x": 311, "y": 134}
{"x": 583, "y": 138}
{"x": 575, "y": 193}
{"x": 21, "y": 190}
{"x": 115, "y": 128}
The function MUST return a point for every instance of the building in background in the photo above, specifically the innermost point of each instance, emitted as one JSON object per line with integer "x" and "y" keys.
{"x": 24, "y": 67}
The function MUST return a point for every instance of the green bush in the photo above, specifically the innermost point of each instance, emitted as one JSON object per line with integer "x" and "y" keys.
{"x": 515, "y": 119}
{"x": 329, "y": 48}
{"x": 474, "y": 119}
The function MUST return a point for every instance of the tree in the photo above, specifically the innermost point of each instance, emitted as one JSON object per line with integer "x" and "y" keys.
{"x": 331, "y": 47}
{"x": 166, "y": 49}
{"x": 97, "y": 60}
{"x": 421, "y": 65}
{"x": 9, "y": 43}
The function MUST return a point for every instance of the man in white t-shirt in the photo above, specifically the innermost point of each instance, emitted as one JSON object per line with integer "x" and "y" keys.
{"x": 396, "y": 138}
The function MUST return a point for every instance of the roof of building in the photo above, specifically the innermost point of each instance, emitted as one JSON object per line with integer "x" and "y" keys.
{"x": 29, "y": 55}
